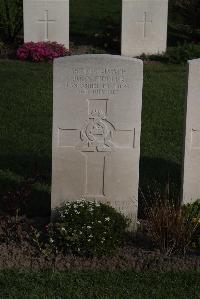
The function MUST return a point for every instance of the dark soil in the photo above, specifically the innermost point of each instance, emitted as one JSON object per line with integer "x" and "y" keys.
{"x": 138, "y": 253}
{"x": 126, "y": 258}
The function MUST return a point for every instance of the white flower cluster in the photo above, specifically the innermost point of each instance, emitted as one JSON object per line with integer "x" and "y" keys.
{"x": 75, "y": 207}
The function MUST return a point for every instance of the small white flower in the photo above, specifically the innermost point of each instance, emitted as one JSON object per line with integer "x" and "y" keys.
{"x": 51, "y": 240}
{"x": 89, "y": 240}
{"x": 99, "y": 221}
{"x": 80, "y": 233}
{"x": 63, "y": 229}
{"x": 107, "y": 218}
{"x": 90, "y": 236}
{"x": 89, "y": 227}
{"x": 82, "y": 198}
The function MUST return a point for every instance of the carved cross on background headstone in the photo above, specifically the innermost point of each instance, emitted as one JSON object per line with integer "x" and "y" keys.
{"x": 145, "y": 23}
{"x": 95, "y": 140}
{"x": 46, "y": 22}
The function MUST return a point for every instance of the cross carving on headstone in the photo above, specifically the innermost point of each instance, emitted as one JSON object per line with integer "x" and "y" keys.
{"x": 46, "y": 22}
{"x": 145, "y": 23}
{"x": 96, "y": 141}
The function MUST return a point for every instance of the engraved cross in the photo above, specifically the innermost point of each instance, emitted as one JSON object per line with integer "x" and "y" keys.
{"x": 46, "y": 22}
{"x": 96, "y": 140}
{"x": 145, "y": 23}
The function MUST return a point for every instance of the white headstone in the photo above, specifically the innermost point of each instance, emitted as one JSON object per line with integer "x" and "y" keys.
{"x": 191, "y": 171}
{"x": 46, "y": 20}
{"x": 144, "y": 27}
{"x": 96, "y": 130}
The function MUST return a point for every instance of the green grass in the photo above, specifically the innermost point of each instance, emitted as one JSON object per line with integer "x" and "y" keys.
{"x": 26, "y": 124}
{"x": 99, "y": 285}
{"x": 25, "y": 131}
{"x": 162, "y": 125}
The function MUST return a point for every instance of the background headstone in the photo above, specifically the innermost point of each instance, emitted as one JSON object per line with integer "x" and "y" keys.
{"x": 144, "y": 27}
{"x": 191, "y": 171}
{"x": 46, "y": 20}
{"x": 96, "y": 130}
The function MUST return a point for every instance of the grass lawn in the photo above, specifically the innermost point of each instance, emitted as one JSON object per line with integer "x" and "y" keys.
{"x": 26, "y": 124}
{"x": 162, "y": 126}
{"x": 105, "y": 285}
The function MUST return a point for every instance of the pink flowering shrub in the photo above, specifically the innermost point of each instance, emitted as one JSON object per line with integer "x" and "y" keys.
{"x": 41, "y": 51}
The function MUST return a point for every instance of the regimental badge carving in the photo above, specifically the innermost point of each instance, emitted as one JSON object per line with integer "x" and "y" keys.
{"x": 96, "y": 135}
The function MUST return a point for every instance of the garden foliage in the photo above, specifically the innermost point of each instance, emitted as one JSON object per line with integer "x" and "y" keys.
{"x": 11, "y": 19}
{"x": 192, "y": 212}
{"x": 87, "y": 228}
{"x": 184, "y": 20}
{"x": 171, "y": 227}
{"x": 41, "y": 51}
{"x": 176, "y": 55}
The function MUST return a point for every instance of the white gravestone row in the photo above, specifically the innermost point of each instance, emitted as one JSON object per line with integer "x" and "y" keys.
{"x": 144, "y": 24}
{"x": 144, "y": 27}
{"x": 191, "y": 171}
{"x": 96, "y": 130}
{"x": 46, "y": 20}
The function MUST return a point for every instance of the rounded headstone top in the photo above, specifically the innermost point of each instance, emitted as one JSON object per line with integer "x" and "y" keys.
{"x": 97, "y": 57}
{"x": 194, "y": 61}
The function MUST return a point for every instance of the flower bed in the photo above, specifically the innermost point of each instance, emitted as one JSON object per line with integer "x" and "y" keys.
{"x": 41, "y": 51}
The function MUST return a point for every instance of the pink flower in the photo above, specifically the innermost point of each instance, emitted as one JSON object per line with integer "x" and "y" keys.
{"x": 41, "y": 51}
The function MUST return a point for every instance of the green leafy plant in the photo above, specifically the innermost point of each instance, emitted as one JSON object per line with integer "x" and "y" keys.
{"x": 184, "y": 20}
{"x": 11, "y": 19}
{"x": 176, "y": 55}
{"x": 40, "y": 240}
{"x": 87, "y": 228}
{"x": 109, "y": 36}
{"x": 192, "y": 212}
{"x": 6, "y": 51}
{"x": 13, "y": 203}
{"x": 182, "y": 53}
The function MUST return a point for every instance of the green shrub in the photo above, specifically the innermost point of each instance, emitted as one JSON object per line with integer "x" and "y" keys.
{"x": 11, "y": 19}
{"x": 87, "y": 228}
{"x": 184, "y": 21}
{"x": 192, "y": 212}
{"x": 182, "y": 53}
{"x": 176, "y": 55}
{"x": 3, "y": 49}
{"x": 109, "y": 36}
